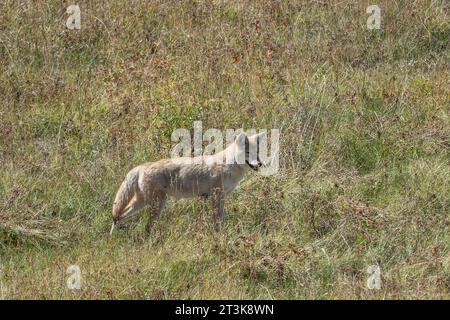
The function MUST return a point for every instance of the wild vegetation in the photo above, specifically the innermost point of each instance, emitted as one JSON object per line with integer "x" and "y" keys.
{"x": 364, "y": 163}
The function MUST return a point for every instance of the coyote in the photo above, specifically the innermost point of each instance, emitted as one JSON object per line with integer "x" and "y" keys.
{"x": 207, "y": 176}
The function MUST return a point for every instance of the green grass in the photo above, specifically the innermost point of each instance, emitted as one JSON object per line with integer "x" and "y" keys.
{"x": 364, "y": 148}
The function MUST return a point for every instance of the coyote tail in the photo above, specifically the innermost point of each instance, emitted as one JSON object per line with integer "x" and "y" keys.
{"x": 125, "y": 193}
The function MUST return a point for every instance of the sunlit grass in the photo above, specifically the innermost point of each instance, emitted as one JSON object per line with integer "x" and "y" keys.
{"x": 364, "y": 147}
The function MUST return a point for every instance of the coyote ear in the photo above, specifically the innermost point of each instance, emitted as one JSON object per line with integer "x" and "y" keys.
{"x": 259, "y": 136}
{"x": 240, "y": 139}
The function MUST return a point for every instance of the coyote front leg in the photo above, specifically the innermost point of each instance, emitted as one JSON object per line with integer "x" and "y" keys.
{"x": 218, "y": 205}
{"x": 130, "y": 210}
{"x": 156, "y": 208}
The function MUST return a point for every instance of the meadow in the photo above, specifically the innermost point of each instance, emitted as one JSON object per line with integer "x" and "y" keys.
{"x": 364, "y": 147}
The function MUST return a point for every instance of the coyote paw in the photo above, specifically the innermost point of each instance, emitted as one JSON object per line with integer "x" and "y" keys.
{"x": 217, "y": 226}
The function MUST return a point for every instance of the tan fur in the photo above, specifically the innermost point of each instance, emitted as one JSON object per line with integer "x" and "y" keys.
{"x": 152, "y": 183}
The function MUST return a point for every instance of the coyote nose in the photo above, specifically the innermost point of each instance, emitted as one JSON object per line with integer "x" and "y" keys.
{"x": 255, "y": 164}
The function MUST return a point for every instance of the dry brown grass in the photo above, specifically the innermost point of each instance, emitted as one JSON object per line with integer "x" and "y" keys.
{"x": 364, "y": 147}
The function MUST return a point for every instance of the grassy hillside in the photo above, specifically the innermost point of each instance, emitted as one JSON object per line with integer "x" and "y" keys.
{"x": 364, "y": 164}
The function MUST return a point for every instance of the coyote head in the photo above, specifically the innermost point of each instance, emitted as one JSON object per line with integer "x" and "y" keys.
{"x": 248, "y": 150}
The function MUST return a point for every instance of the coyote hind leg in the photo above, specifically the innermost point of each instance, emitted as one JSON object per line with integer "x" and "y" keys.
{"x": 130, "y": 210}
{"x": 157, "y": 205}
